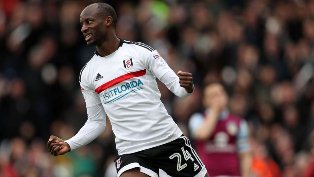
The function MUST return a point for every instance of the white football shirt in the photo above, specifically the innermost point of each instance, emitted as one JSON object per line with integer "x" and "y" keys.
{"x": 123, "y": 86}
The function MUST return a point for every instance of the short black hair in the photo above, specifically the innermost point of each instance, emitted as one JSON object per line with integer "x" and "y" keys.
{"x": 107, "y": 10}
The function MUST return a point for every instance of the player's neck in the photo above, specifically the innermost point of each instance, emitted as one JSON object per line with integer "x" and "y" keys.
{"x": 109, "y": 46}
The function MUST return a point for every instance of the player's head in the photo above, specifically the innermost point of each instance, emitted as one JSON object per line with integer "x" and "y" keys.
{"x": 215, "y": 93}
{"x": 98, "y": 20}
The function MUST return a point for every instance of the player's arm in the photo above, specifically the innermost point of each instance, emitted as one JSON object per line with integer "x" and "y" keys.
{"x": 244, "y": 149}
{"x": 181, "y": 84}
{"x": 94, "y": 126}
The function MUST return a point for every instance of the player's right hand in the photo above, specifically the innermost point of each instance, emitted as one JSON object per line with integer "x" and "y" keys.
{"x": 57, "y": 146}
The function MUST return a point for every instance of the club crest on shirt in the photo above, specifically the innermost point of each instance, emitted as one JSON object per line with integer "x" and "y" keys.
{"x": 232, "y": 128}
{"x": 128, "y": 63}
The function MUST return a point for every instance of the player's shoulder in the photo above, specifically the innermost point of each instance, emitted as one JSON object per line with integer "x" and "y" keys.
{"x": 138, "y": 45}
{"x": 85, "y": 70}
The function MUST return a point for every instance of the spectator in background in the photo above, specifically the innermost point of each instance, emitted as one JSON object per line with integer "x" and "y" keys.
{"x": 221, "y": 138}
{"x": 262, "y": 164}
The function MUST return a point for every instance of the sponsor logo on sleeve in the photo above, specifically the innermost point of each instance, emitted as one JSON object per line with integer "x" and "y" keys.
{"x": 156, "y": 56}
{"x": 159, "y": 60}
{"x": 232, "y": 128}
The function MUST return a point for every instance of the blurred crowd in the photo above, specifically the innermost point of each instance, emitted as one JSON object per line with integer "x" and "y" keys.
{"x": 261, "y": 50}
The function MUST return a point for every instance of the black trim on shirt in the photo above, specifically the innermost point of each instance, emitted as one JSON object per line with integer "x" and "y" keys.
{"x": 82, "y": 71}
{"x": 121, "y": 42}
{"x": 140, "y": 44}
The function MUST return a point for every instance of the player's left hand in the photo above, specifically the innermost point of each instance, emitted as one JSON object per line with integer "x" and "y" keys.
{"x": 186, "y": 81}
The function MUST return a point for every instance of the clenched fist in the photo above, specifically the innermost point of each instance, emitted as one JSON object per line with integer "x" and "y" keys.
{"x": 57, "y": 146}
{"x": 186, "y": 81}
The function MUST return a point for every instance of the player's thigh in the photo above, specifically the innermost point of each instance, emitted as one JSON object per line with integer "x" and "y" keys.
{"x": 135, "y": 172}
{"x": 178, "y": 158}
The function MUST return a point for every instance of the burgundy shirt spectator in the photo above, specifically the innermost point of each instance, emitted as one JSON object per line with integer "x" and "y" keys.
{"x": 220, "y": 151}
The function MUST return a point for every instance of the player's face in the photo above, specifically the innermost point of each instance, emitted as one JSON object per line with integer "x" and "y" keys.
{"x": 92, "y": 26}
{"x": 215, "y": 95}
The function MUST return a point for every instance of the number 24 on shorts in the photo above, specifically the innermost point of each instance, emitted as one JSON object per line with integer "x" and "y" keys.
{"x": 186, "y": 156}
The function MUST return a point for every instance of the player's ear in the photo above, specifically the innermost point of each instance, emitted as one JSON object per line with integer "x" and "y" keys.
{"x": 108, "y": 21}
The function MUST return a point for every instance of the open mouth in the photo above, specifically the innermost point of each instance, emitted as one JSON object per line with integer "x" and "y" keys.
{"x": 88, "y": 37}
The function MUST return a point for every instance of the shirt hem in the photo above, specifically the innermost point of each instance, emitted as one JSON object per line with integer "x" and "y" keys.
{"x": 175, "y": 136}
